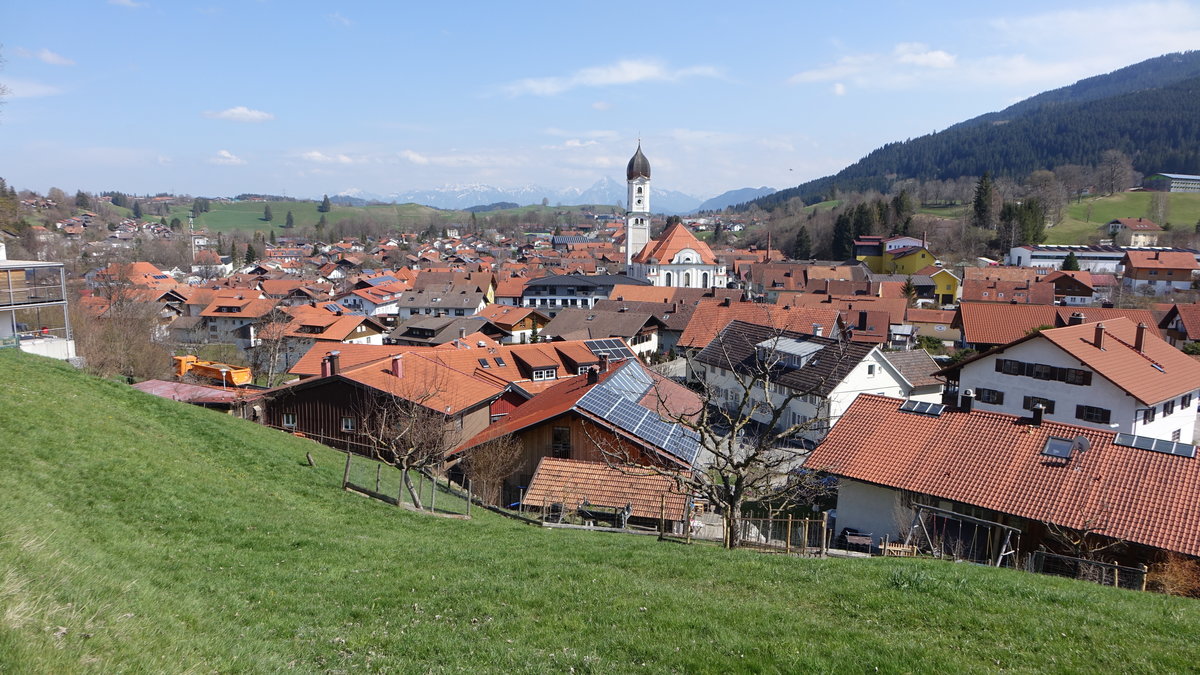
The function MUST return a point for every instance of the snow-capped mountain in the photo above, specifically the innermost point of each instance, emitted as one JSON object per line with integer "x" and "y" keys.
{"x": 604, "y": 191}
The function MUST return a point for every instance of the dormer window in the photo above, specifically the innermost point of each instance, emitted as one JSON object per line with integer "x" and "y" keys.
{"x": 544, "y": 374}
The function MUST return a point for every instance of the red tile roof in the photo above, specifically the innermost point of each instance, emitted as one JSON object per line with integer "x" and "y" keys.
{"x": 992, "y": 323}
{"x": 994, "y": 461}
{"x": 677, "y": 238}
{"x": 571, "y": 482}
{"x": 1159, "y": 260}
{"x": 711, "y": 317}
{"x": 1137, "y": 224}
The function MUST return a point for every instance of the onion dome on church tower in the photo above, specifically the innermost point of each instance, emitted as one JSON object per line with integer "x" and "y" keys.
{"x": 639, "y": 166}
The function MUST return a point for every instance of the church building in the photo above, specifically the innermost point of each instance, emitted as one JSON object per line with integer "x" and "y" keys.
{"x": 677, "y": 258}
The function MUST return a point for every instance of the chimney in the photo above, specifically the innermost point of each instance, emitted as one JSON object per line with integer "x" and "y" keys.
{"x": 725, "y": 302}
{"x": 967, "y": 401}
{"x": 817, "y": 329}
{"x": 462, "y": 332}
{"x": 675, "y": 307}
{"x": 334, "y": 361}
{"x": 1076, "y": 319}
{"x": 604, "y": 363}
{"x": 1099, "y": 341}
{"x": 398, "y": 365}
{"x": 592, "y": 376}
{"x": 1039, "y": 411}
{"x": 1139, "y": 342}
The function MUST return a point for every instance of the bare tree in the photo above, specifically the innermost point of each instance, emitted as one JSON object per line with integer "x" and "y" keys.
{"x": 490, "y": 463}
{"x": 407, "y": 434}
{"x": 1115, "y": 172}
{"x": 756, "y": 421}
{"x": 275, "y": 352}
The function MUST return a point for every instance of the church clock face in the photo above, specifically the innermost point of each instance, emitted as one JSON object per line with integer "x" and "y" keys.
{"x": 639, "y": 202}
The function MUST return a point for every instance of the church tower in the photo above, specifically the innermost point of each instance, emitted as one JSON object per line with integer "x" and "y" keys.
{"x": 637, "y": 214}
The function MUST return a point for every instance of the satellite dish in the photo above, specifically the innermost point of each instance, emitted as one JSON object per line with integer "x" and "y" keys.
{"x": 1080, "y": 444}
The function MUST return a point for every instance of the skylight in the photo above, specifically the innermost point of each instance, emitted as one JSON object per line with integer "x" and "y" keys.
{"x": 923, "y": 408}
{"x": 1058, "y": 447}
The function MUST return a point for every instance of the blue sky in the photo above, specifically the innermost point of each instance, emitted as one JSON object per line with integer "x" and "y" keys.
{"x": 305, "y": 98}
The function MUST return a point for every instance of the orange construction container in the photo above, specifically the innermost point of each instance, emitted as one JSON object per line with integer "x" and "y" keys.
{"x": 221, "y": 372}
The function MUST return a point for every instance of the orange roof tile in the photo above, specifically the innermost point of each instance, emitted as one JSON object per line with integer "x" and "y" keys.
{"x": 711, "y": 317}
{"x": 992, "y": 460}
{"x": 1160, "y": 260}
{"x": 571, "y": 482}
{"x": 677, "y": 238}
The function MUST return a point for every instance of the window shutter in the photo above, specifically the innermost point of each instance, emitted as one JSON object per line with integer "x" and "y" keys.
{"x": 999, "y": 365}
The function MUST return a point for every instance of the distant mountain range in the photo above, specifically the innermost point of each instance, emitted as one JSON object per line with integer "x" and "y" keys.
{"x": 606, "y": 191}
{"x": 1150, "y": 111}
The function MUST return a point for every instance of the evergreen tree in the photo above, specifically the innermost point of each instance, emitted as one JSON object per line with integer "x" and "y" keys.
{"x": 909, "y": 289}
{"x": 267, "y": 216}
{"x": 802, "y": 246}
{"x": 983, "y": 212}
{"x": 272, "y": 237}
{"x": 321, "y": 224}
{"x": 137, "y": 210}
{"x": 250, "y": 256}
{"x": 82, "y": 200}
{"x": 162, "y": 221}
{"x": 718, "y": 236}
{"x": 558, "y": 230}
{"x": 291, "y": 222}
{"x": 1070, "y": 263}
{"x": 176, "y": 223}
{"x": 326, "y": 206}
{"x": 843, "y": 237}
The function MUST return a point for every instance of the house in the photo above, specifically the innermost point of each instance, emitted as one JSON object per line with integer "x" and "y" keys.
{"x": 894, "y": 255}
{"x": 622, "y": 409}
{"x": 437, "y": 330}
{"x": 1071, "y": 288}
{"x": 1134, "y": 231}
{"x": 816, "y": 377}
{"x": 437, "y": 302}
{"x": 933, "y": 323}
{"x": 1172, "y": 182}
{"x": 1158, "y": 272}
{"x": 552, "y": 293}
{"x": 1012, "y": 470}
{"x": 710, "y": 318}
{"x": 675, "y": 317}
{"x": 580, "y": 486}
{"x": 1181, "y": 324}
{"x": 520, "y": 323}
{"x": 233, "y": 316}
{"x": 1097, "y": 259}
{"x": 1110, "y": 375}
{"x": 33, "y": 308}
{"x": 984, "y": 325}
{"x": 638, "y": 329}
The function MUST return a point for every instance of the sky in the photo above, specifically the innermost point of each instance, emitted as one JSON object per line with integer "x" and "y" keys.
{"x": 217, "y": 98}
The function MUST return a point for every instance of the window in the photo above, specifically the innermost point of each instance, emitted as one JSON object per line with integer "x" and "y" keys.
{"x": 544, "y": 374}
{"x": 1148, "y": 415}
{"x": 582, "y": 370}
{"x": 989, "y": 396}
{"x": 1175, "y": 436}
{"x": 1031, "y": 401}
{"x": 348, "y": 424}
{"x": 1185, "y": 401}
{"x": 1041, "y": 371}
{"x": 1089, "y": 413}
{"x": 560, "y": 445}
{"x": 1077, "y": 376}
{"x": 1168, "y": 408}
{"x": 289, "y": 420}
{"x": 871, "y": 369}
{"x": 1010, "y": 367}
{"x": 484, "y": 363}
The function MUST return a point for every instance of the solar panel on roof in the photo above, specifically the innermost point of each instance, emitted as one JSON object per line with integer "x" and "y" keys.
{"x": 1156, "y": 445}
{"x": 923, "y": 408}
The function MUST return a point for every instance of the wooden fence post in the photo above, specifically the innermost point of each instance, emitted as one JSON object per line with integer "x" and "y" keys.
{"x": 824, "y": 533}
{"x": 420, "y": 484}
{"x": 378, "y": 470}
{"x": 1145, "y": 571}
{"x": 469, "y": 497}
{"x": 432, "y": 493}
{"x": 662, "y": 516}
{"x": 346, "y": 473}
{"x": 520, "y": 500}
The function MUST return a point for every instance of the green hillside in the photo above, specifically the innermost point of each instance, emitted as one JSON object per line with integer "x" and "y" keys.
{"x": 247, "y": 216}
{"x": 1083, "y": 218}
{"x": 144, "y": 535}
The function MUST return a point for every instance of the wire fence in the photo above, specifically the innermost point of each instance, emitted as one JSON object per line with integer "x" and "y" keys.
{"x": 384, "y": 482}
{"x": 794, "y": 536}
{"x": 1107, "y": 574}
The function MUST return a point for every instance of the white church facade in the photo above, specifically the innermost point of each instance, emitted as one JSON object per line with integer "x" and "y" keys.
{"x": 677, "y": 258}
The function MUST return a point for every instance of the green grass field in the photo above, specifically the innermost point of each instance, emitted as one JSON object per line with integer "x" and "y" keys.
{"x": 1085, "y": 217}
{"x": 144, "y": 535}
{"x": 247, "y": 216}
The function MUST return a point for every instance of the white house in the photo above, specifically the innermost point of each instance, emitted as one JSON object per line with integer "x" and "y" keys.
{"x": 1110, "y": 375}
{"x": 824, "y": 375}
{"x": 677, "y": 258}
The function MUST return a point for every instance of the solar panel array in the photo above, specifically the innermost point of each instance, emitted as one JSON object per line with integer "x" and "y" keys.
{"x": 923, "y": 408}
{"x": 616, "y": 401}
{"x": 1156, "y": 445}
{"x": 614, "y": 348}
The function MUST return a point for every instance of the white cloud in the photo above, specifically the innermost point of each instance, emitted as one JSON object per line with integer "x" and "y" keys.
{"x": 44, "y": 55}
{"x": 921, "y": 55}
{"x": 126, "y": 3}
{"x": 240, "y": 114}
{"x": 226, "y": 158}
{"x": 414, "y": 157}
{"x": 839, "y": 89}
{"x": 18, "y": 88}
{"x": 628, "y": 71}
{"x": 601, "y": 134}
{"x": 322, "y": 158}
{"x": 337, "y": 18}
{"x": 601, "y": 105}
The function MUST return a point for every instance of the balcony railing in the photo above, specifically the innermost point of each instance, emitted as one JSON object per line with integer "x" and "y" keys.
{"x": 31, "y": 295}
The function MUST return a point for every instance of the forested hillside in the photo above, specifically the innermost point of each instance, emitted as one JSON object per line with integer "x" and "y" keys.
{"x": 1157, "y": 127}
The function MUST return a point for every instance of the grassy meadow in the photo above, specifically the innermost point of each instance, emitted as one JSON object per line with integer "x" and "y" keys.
{"x": 1085, "y": 217}
{"x": 145, "y": 535}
